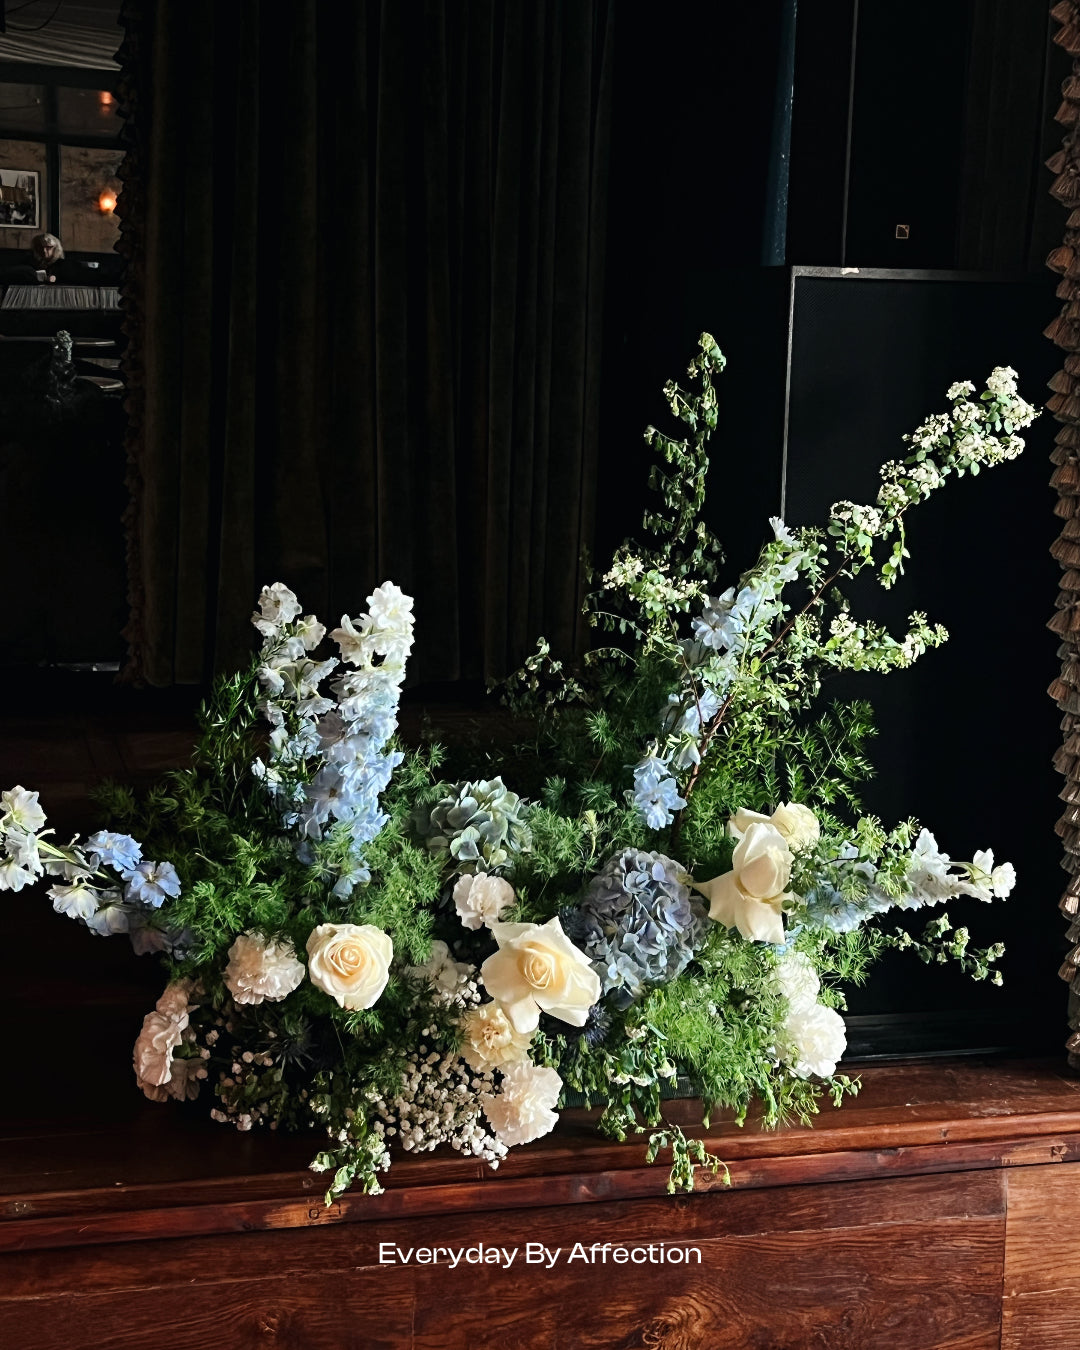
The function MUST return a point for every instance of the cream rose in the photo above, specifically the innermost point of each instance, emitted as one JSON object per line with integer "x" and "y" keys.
{"x": 350, "y": 962}
{"x": 537, "y": 968}
{"x": 490, "y": 1041}
{"x": 751, "y": 896}
{"x": 481, "y": 899}
{"x": 524, "y": 1108}
{"x": 796, "y": 823}
{"x": 261, "y": 970}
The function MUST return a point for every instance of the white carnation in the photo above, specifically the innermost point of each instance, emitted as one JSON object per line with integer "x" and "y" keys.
{"x": 523, "y": 1109}
{"x": 260, "y": 969}
{"x": 797, "y": 981}
{"x": 481, "y": 899}
{"x": 817, "y": 1039}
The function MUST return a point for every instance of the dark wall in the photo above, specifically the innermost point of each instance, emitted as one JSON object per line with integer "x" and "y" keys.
{"x": 951, "y": 105}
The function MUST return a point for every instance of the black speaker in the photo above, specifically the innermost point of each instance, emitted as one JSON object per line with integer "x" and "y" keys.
{"x": 916, "y": 134}
{"x": 827, "y": 371}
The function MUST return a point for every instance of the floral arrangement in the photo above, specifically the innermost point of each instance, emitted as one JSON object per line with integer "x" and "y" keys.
{"x": 674, "y": 889}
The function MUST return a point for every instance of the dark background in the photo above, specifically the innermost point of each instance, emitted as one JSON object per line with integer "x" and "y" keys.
{"x": 743, "y": 146}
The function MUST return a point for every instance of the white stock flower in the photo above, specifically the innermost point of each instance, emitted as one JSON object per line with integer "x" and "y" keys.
{"x": 77, "y": 902}
{"x": 277, "y": 607}
{"x": 13, "y": 877}
{"x": 260, "y": 969}
{"x": 537, "y": 968}
{"x": 20, "y": 807}
{"x": 481, "y": 898}
{"x": 350, "y": 962}
{"x": 523, "y": 1110}
{"x": 797, "y": 980}
{"x": 390, "y": 607}
{"x": 751, "y": 896}
{"x": 1003, "y": 879}
{"x": 490, "y": 1040}
{"x": 817, "y": 1040}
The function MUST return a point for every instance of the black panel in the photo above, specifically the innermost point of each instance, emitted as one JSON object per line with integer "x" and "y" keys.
{"x": 968, "y": 733}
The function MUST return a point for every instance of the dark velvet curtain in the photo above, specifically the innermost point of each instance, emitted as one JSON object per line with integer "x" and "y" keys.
{"x": 366, "y": 266}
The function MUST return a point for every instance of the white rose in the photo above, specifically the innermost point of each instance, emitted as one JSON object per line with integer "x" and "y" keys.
{"x": 817, "y": 1040}
{"x": 537, "y": 968}
{"x": 797, "y": 980}
{"x": 751, "y": 896}
{"x": 796, "y": 823}
{"x": 490, "y": 1039}
{"x": 523, "y": 1110}
{"x": 481, "y": 899}
{"x": 350, "y": 962}
{"x": 741, "y": 821}
{"x": 259, "y": 969}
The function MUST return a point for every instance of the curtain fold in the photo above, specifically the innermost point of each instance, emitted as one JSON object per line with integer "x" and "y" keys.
{"x": 366, "y": 319}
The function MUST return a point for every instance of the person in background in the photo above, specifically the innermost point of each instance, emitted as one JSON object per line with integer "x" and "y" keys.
{"x": 49, "y": 258}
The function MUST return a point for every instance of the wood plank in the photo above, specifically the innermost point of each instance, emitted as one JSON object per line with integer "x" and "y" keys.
{"x": 1041, "y": 1288}
{"x": 131, "y": 1217}
{"x": 767, "y": 1277}
{"x": 1042, "y": 1254}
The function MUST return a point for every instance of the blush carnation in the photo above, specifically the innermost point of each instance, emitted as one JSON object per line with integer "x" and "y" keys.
{"x": 261, "y": 970}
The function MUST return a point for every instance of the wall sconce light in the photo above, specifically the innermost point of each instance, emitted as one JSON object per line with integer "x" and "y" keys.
{"x": 107, "y": 202}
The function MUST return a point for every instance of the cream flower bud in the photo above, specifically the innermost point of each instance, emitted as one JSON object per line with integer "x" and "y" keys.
{"x": 751, "y": 896}
{"x": 350, "y": 962}
{"x": 537, "y": 968}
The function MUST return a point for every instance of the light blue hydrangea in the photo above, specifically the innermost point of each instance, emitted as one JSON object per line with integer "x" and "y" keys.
{"x": 639, "y": 924}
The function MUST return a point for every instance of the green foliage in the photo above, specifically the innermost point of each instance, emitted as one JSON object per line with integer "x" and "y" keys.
{"x": 941, "y": 943}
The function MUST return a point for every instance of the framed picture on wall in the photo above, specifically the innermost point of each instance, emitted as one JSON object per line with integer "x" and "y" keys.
{"x": 20, "y": 199}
